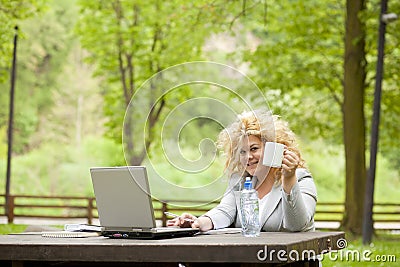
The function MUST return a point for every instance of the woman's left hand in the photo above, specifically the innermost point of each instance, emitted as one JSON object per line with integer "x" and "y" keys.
{"x": 289, "y": 165}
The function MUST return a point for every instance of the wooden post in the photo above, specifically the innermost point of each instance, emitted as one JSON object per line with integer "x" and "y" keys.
{"x": 163, "y": 216}
{"x": 90, "y": 210}
{"x": 10, "y": 209}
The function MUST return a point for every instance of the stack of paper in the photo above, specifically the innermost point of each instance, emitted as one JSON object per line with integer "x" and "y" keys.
{"x": 82, "y": 228}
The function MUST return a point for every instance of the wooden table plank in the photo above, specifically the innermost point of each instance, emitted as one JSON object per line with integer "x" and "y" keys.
{"x": 232, "y": 248}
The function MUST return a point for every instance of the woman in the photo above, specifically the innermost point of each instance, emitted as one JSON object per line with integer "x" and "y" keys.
{"x": 287, "y": 194}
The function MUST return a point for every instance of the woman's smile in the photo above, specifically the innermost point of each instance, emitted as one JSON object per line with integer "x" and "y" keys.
{"x": 251, "y": 153}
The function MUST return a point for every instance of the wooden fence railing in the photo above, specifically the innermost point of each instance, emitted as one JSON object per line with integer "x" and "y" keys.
{"x": 50, "y": 207}
{"x": 65, "y": 207}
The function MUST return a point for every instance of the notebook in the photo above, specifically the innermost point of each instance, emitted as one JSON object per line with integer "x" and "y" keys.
{"x": 125, "y": 206}
{"x": 66, "y": 234}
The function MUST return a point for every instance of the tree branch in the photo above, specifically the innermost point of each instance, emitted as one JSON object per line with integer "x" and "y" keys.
{"x": 265, "y": 13}
{"x": 242, "y": 13}
{"x": 118, "y": 14}
{"x": 154, "y": 115}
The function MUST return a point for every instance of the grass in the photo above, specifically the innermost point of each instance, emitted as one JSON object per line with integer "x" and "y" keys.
{"x": 12, "y": 228}
{"x": 19, "y": 228}
{"x": 384, "y": 251}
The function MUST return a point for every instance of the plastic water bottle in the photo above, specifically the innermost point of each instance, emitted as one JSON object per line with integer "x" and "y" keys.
{"x": 250, "y": 210}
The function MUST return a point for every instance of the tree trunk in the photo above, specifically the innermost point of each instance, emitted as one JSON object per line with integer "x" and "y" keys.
{"x": 353, "y": 117}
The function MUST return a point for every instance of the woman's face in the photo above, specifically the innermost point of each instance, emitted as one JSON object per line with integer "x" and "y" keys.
{"x": 251, "y": 155}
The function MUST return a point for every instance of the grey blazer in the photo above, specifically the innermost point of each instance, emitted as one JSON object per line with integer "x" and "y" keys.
{"x": 292, "y": 212}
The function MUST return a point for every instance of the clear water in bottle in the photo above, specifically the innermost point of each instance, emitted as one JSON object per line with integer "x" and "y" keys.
{"x": 249, "y": 210}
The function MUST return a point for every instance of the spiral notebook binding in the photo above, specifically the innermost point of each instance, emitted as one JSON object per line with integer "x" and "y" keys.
{"x": 65, "y": 234}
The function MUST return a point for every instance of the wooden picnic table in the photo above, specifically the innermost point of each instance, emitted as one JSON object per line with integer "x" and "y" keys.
{"x": 270, "y": 249}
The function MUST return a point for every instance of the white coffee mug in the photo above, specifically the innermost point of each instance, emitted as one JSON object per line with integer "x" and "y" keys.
{"x": 273, "y": 154}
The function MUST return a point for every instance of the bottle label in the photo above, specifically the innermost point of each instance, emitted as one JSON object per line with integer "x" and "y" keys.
{"x": 250, "y": 213}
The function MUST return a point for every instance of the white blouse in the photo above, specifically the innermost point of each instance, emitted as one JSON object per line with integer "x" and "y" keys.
{"x": 263, "y": 206}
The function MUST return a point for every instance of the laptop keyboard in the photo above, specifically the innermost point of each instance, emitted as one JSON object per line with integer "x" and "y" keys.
{"x": 169, "y": 229}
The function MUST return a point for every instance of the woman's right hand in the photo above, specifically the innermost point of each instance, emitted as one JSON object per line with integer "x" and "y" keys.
{"x": 187, "y": 220}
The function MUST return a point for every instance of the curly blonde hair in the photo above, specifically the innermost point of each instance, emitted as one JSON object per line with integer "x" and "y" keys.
{"x": 261, "y": 123}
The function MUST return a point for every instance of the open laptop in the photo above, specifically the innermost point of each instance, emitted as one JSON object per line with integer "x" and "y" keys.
{"x": 125, "y": 206}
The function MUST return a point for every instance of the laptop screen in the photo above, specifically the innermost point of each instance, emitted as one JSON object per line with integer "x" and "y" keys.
{"x": 123, "y": 197}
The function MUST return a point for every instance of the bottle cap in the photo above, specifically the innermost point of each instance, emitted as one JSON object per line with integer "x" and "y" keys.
{"x": 248, "y": 183}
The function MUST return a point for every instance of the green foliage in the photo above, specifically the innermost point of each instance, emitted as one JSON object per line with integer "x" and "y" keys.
{"x": 132, "y": 40}
{"x": 387, "y": 180}
{"x": 207, "y": 185}
{"x": 42, "y": 49}
{"x": 3, "y": 146}
{"x": 299, "y": 64}
{"x": 327, "y": 164}
{"x": 390, "y": 110}
{"x": 59, "y": 169}
{"x": 302, "y": 58}
{"x": 62, "y": 169}
{"x": 12, "y": 12}
{"x": 292, "y": 49}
